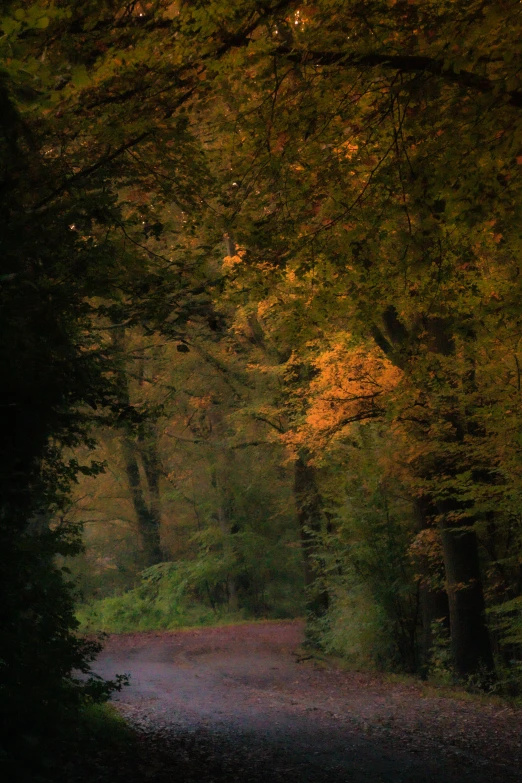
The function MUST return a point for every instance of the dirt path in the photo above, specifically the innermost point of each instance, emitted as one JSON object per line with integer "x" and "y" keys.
{"x": 235, "y": 704}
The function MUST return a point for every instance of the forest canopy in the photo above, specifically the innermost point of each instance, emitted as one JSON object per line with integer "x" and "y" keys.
{"x": 261, "y": 319}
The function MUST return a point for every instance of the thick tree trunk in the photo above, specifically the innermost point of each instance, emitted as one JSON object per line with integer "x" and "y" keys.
{"x": 225, "y": 519}
{"x": 469, "y": 634}
{"x": 470, "y": 640}
{"x": 146, "y": 500}
{"x": 152, "y": 467}
{"x": 227, "y": 530}
{"x": 309, "y": 514}
{"x": 434, "y": 609}
{"x": 434, "y": 606}
{"x": 148, "y": 515}
{"x": 233, "y": 598}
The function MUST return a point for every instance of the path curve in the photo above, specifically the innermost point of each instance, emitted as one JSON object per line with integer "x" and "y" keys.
{"x": 238, "y": 703}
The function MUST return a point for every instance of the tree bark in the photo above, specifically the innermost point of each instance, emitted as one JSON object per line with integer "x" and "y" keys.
{"x": 224, "y": 516}
{"x": 152, "y": 467}
{"x": 434, "y": 606}
{"x": 470, "y": 640}
{"x": 148, "y": 515}
{"x": 309, "y": 514}
{"x": 141, "y": 444}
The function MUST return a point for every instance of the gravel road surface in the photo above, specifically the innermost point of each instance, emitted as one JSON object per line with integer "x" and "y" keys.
{"x": 242, "y": 703}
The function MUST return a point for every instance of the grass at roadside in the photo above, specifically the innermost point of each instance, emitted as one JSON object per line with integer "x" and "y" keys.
{"x": 93, "y": 749}
{"x": 78, "y": 747}
{"x": 102, "y": 723}
{"x": 430, "y": 688}
{"x": 131, "y": 612}
{"x": 175, "y": 595}
{"x": 114, "y": 616}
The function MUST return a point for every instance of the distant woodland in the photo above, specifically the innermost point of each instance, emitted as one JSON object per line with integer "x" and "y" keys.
{"x": 261, "y": 309}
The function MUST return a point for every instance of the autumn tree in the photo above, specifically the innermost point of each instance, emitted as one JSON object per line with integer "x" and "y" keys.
{"x": 375, "y": 158}
{"x": 364, "y": 157}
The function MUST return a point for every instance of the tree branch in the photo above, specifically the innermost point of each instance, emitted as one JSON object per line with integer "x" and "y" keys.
{"x": 402, "y": 64}
{"x": 233, "y": 41}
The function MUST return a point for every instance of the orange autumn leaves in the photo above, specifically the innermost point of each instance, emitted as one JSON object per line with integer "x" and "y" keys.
{"x": 351, "y": 384}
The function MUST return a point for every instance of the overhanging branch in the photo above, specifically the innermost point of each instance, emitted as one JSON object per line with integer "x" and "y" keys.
{"x": 400, "y": 63}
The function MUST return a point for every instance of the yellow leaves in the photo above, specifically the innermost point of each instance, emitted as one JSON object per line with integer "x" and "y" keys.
{"x": 346, "y": 373}
{"x": 351, "y": 385}
{"x": 171, "y": 11}
{"x": 426, "y": 554}
{"x": 201, "y": 403}
{"x": 263, "y": 307}
{"x": 229, "y": 262}
{"x": 255, "y": 367}
{"x": 427, "y": 543}
{"x": 347, "y": 149}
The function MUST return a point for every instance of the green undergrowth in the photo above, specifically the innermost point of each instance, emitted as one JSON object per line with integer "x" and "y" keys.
{"x": 496, "y": 695}
{"x": 169, "y": 597}
{"x": 122, "y": 614}
{"x": 75, "y": 749}
{"x": 102, "y": 723}
{"x": 99, "y": 740}
{"x": 130, "y": 612}
{"x": 431, "y": 688}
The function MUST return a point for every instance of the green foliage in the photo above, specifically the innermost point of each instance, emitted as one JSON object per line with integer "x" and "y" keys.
{"x": 143, "y": 609}
{"x": 177, "y": 595}
{"x": 441, "y": 660}
{"x": 101, "y": 724}
{"x": 227, "y": 510}
{"x": 54, "y": 371}
{"x": 97, "y": 731}
{"x": 508, "y": 621}
{"x": 363, "y": 165}
{"x": 358, "y": 630}
{"x": 368, "y": 561}
{"x": 506, "y": 624}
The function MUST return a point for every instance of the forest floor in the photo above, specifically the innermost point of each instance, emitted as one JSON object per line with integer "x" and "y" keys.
{"x": 241, "y": 703}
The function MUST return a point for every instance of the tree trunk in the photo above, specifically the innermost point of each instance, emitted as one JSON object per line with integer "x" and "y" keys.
{"x": 152, "y": 467}
{"x": 233, "y": 599}
{"x": 148, "y": 515}
{"x": 146, "y": 500}
{"x": 224, "y": 516}
{"x": 434, "y": 606}
{"x": 470, "y": 640}
{"x": 469, "y": 634}
{"x": 309, "y": 515}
